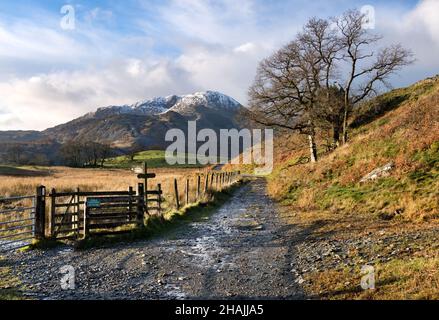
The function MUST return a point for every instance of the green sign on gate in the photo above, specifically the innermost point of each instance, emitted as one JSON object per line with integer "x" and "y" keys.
{"x": 93, "y": 203}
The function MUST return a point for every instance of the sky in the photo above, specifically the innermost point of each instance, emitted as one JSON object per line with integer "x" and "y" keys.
{"x": 60, "y": 59}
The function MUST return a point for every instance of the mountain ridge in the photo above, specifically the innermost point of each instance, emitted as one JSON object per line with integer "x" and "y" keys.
{"x": 143, "y": 124}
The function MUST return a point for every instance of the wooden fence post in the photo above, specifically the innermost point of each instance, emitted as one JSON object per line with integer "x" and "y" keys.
{"x": 85, "y": 221}
{"x": 130, "y": 203}
{"x": 211, "y": 181}
{"x": 159, "y": 189}
{"x": 40, "y": 213}
{"x": 52, "y": 213}
{"x": 206, "y": 183}
{"x": 177, "y": 200}
{"x": 140, "y": 204}
{"x": 198, "y": 187}
{"x": 75, "y": 215}
{"x": 187, "y": 192}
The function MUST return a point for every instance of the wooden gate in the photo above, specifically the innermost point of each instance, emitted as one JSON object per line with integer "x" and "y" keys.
{"x": 68, "y": 209}
{"x": 105, "y": 214}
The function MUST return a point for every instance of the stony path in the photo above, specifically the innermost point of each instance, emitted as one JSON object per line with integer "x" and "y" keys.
{"x": 239, "y": 251}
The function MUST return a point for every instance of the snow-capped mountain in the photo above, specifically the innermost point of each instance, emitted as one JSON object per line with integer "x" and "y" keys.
{"x": 145, "y": 123}
{"x": 180, "y": 104}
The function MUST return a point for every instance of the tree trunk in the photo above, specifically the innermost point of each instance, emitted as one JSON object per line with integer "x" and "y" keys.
{"x": 312, "y": 148}
{"x": 345, "y": 119}
{"x": 336, "y": 135}
{"x": 345, "y": 131}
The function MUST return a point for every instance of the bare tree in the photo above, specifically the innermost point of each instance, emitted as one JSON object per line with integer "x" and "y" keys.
{"x": 14, "y": 153}
{"x": 299, "y": 87}
{"x": 103, "y": 153}
{"x": 322, "y": 38}
{"x": 366, "y": 69}
{"x": 288, "y": 86}
{"x": 279, "y": 95}
{"x": 72, "y": 153}
{"x": 133, "y": 151}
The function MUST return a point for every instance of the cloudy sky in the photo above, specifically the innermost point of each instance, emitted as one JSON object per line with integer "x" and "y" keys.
{"x": 120, "y": 52}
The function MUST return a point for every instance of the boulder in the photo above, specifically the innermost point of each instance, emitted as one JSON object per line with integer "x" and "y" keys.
{"x": 379, "y": 173}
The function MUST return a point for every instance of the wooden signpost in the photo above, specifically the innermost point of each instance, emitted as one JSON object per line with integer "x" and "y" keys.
{"x": 145, "y": 176}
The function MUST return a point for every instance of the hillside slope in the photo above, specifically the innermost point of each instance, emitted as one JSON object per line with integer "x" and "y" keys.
{"x": 400, "y": 127}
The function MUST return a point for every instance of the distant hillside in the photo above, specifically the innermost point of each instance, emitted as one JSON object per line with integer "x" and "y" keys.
{"x": 142, "y": 124}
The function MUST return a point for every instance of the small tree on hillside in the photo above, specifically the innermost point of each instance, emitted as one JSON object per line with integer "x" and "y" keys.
{"x": 133, "y": 151}
{"x": 104, "y": 153}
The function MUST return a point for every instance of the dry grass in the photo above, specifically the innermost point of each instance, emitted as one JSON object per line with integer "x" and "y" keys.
{"x": 65, "y": 179}
{"x": 410, "y": 274}
{"x": 415, "y": 278}
{"x": 68, "y": 179}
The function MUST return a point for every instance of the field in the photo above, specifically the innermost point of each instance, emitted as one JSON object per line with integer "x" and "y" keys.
{"x": 155, "y": 159}
{"x": 17, "y": 181}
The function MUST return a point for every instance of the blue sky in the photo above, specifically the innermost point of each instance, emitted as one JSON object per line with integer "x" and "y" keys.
{"x": 123, "y": 51}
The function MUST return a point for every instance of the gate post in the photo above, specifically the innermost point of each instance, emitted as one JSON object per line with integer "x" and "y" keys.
{"x": 198, "y": 187}
{"x": 187, "y": 192}
{"x": 140, "y": 204}
{"x": 130, "y": 203}
{"x": 159, "y": 189}
{"x": 52, "y": 214}
{"x": 211, "y": 181}
{"x": 85, "y": 226}
{"x": 40, "y": 213}
{"x": 206, "y": 184}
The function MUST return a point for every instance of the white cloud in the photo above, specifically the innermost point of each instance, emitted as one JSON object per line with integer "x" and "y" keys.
{"x": 246, "y": 47}
{"x": 61, "y": 96}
